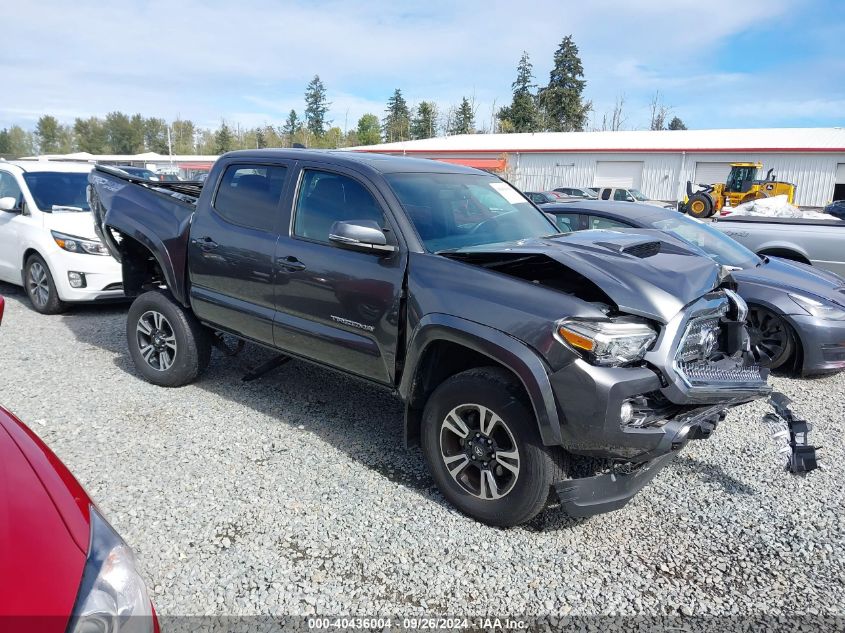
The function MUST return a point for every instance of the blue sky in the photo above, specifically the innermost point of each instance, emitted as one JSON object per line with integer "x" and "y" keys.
{"x": 723, "y": 63}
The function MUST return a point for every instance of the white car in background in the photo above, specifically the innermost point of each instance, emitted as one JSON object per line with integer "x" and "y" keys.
{"x": 632, "y": 195}
{"x": 47, "y": 240}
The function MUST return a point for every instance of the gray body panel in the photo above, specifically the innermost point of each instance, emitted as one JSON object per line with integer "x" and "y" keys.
{"x": 820, "y": 242}
{"x": 767, "y": 285}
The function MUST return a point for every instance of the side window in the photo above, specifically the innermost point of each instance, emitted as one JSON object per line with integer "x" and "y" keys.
{"x": 597, "y": 222}
{"x": 9, "y": 187}
{"x": 621, "y": 194}
{"x": 567, "y": 222}
{"x": 325, "y": 198}
{"x": 249, "y": 195}
{"x": 605, "y": 194}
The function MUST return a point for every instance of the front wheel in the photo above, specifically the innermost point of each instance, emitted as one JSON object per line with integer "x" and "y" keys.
{"x": 483, "y": 448}
{"x": 772, "y": 340}
{"x": 168, "y": 345}
{"x": 40, "y": 287}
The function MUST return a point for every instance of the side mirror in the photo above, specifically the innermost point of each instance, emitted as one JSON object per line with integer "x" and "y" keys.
{"x": 9, "y": 204}
{"x": 365, "y": 236}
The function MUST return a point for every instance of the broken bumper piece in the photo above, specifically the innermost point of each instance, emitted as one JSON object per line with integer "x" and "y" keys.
{"x": 604, "y": 493}
{"x": 791, "y": 434}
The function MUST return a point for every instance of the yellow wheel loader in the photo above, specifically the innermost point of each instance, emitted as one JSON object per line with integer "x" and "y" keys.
{"x": 742, "y": 186}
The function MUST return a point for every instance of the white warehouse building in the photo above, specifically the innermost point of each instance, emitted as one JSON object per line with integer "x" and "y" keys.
{"x": 658, "y": 163}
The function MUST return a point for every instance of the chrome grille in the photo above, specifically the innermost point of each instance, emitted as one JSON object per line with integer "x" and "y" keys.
{"x": 698, "y": 360}
{"x": 703, "y": 372}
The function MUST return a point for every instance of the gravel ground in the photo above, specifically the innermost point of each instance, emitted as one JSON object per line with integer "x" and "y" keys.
{"x": 293, "y": 495}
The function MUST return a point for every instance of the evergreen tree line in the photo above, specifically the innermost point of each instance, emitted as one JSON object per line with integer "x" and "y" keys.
{"x": 558, "y": 106}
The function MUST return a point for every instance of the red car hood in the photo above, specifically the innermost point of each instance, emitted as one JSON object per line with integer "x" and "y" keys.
{"x": 44, "y": 530}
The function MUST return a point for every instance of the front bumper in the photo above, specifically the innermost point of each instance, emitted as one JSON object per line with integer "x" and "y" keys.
{"x": 822, "y": 343}
{"x": 103, "y": 276}
{"x": 590, "y": 401}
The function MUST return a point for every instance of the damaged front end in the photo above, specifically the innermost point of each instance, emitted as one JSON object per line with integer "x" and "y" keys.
{"x": 661, "y": 364}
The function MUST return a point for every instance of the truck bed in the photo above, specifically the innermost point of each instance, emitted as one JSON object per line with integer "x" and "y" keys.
{"x": 758, "y": 219}
{"x": 155, "y": 215}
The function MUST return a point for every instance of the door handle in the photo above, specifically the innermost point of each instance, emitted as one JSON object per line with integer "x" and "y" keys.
{"x": 205, "y": 243}
{"x": 290, "y": 263}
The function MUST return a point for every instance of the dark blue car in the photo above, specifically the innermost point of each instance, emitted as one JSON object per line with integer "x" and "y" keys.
{"x": 796, "y": 312}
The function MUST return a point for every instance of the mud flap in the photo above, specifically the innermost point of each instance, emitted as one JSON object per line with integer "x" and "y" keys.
{"x": 791, "y": 434}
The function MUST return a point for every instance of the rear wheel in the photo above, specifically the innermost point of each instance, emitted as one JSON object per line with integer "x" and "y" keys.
{"x": 41, "y": 288}
{"x": 772, "y": 340}
{"x": 700, "y": 205}
{"x": 168, "y": 345}
{"x": 482, "y": 445}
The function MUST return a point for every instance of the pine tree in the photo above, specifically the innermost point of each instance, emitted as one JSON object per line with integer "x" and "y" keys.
{"x": 424, "y": 124}
{"x": 397, "y": 119}
{"x": 223, "y": 139}
{"x": 47, "y": 133}
{"x": 369, "y": 130}
{"x": 676, "y": 124}
{"x": 522, "y": 113}
{"x": 563, "y": 108}
{"x": 464, "y": 119}
{"x": 291, "y": 127}
{"x": 260, "y": 138}
{"x": 316, "y": 107}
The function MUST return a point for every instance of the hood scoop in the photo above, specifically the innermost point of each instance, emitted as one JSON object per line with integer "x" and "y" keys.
{"x": 640, "y": 249}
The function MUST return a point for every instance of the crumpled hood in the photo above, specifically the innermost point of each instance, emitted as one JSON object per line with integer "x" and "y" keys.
{"x": 623, "y": 264}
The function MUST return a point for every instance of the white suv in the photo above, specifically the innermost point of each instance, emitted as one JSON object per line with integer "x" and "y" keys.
{"x": 47, "y": 239}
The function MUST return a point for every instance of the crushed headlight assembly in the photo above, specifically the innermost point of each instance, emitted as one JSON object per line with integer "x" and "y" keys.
{"x": 73, "y": 244}
{"x": 112, "y": 595}
{"x": 607, "y": 343}
{"x": 820, "y": 309}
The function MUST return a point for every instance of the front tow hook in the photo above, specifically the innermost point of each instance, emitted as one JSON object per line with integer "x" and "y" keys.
{"x": 791, "y": 434}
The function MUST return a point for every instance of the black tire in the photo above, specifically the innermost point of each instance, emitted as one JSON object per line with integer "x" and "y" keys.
{"x": 168, "y": 345}
{"x": 525, "y": 492}
{"x": 40, "y": 287}
{"x": 700, "y": 205}
{"x": 773, "y": 343}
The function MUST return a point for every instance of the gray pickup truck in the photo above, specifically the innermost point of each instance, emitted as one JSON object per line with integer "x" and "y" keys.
{"x": 819, "y": 242}
{"x": 530, "y": 362}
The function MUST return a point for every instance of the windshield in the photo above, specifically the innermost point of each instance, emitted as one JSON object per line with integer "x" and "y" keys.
{"x": 716, "y": 244}
{"x": 637, "y": 194}
{"x": 453, "y": 211}
{"x": 58, "y": 189}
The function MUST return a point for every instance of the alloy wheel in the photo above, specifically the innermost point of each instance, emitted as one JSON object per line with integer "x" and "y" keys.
{"x": 156, "y": 340}
{"x": 38, "y": 285}
{"x": 770, "y": 339}
{"x": 479, "y": 451}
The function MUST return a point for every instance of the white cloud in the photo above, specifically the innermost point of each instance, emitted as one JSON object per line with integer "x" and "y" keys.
{"x": 250, "y": 61}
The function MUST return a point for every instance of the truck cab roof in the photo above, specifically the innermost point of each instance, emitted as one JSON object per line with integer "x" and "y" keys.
{"x": 382, "y": 163}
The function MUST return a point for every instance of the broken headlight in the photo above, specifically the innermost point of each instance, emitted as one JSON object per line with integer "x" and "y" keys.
{"x": 607, "y": 343}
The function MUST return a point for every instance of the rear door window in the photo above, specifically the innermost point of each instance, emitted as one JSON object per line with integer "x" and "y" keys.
{"x": 605, "y": 194}
{"x": 249, "y": 195}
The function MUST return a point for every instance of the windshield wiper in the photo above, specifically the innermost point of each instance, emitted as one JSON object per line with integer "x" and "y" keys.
{"x": 65, "y": 207}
